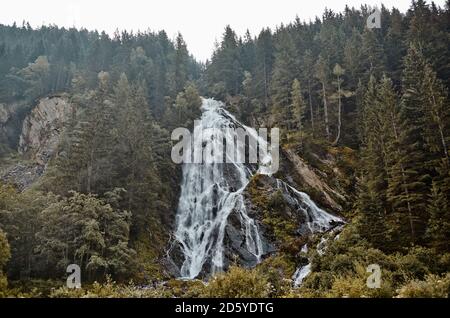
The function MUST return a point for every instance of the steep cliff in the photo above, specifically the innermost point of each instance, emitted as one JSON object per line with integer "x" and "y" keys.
{"x": 39, "y": 138}
{"x": 42, "y": 129}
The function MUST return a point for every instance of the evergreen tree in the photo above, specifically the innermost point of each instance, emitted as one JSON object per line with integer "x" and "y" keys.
{"x": 308, "y": 71}
{"x": 87, "y": 231}
{"x": 265, "y": 60}
{"x": 282, "y": 79}
{"x": 181, "y": 65}
{"x": 187, "y": 106}
{"x": 298, "y": 105}
{"x": 438, "y": 229}
{"x": 339, "y": 72}
{"x": 408, "y": 184}
{"x": 322, "y": 74}
{"x": 4, "y": 257}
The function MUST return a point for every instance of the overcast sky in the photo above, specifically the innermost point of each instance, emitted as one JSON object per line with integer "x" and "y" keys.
{"x": 200, "y": 21}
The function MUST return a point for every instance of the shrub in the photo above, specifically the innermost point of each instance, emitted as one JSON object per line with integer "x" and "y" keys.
{"x": 4, "y": 257}
{"x": 237, "y": 283}
{"x": 354, "y": 285}
{"x": 434, "y": 286}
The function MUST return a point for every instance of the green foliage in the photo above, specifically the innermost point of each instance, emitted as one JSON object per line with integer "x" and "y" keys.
{"x": 298, "y": 105}
{"x": 432, "y": 287}
{"x": 19, "y": 218}
{"x": 187, "y": 106}
{"x": 5, "y": 255}
{"x": 390, "y": 105}
{"x": 341, "y": 270}
{"x": 36, "y": 61}
{"x": 276, "y": 214}
{"x": 237, "y": 283}
{"x": 438, "y": 230}
{"x": 85, "y": 230}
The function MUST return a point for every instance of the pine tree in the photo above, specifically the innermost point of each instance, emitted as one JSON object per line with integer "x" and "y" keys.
{"x": 226, "y": 65}
{"x": 371, "y": 222}
{"x": 438, "y": 229}
{"x": 437, "y": 131}
{"x": 352, "y": 57}
{"x": 187, "y": 106}
{"x": 5, "y": 255}
{"x": 322, "y": 74}
{"x": 181, "y": 65}
{"x": 265, "y": 60}
{"x": 372, "y": 54}
{"x": 408, "y": 184}
{"x": 378, "y": 104}
{"x": 308, "y": 72}
{"x": 298, "y": 105}
{"x": 339, "y": 72}
{"x": 282, "y": 79}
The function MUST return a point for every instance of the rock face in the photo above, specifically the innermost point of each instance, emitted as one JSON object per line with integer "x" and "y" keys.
{"x": 41, "y": 130}
{"x": 4, "y": 114}
{"x": 10, "y": 124}
{"x": 39, "y": 138}
{"x": 311, "y": 179}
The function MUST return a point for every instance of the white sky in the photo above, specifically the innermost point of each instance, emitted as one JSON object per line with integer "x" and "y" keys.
{"x": 201, "y": 22}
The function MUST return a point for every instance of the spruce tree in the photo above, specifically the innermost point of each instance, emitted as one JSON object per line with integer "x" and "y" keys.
{"x": 322, "y": 74}
{"x": 282, "y": 79}
{"x": 410, "y": 178}
{"x": 339, "y": 72}
{"x": 438, "y": 229}
{"x": 298, "y": 105}
{"x": 308, "y": 75}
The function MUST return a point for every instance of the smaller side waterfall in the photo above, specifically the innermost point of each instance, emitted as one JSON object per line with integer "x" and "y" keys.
{"x": 303, "y": 271}
{"x": 317, "y": 220}
{"x": 300, "y": 274}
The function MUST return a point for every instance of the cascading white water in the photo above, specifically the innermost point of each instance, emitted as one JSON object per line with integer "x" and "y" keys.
{"x": 211, "y": 191}
{"x": 316, "y": 219}
{"x": 208, "y": 196}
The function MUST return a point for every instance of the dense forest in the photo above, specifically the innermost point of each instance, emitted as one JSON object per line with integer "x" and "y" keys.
{"x": 367, "y": 108}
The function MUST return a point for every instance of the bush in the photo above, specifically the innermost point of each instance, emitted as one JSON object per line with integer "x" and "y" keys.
{"x": 110, "y": 289}
{"x": 355, "y": 285}
{"x": 237, "y": 283}
{"x": 433, "y": 287}
{"x": 4, "y": 257}
{"x": 278, "y": 270}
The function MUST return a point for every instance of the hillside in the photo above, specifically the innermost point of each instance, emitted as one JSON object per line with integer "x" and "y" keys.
{"x": 87, "y": 177}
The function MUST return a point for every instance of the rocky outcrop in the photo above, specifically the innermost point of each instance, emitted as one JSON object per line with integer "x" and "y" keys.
{"x": 311, "y": 179}
{"x": 23, "y": 175}
{"x": 39, "y": 138}
{"x": 4, "y": 114}
{"x": 42, "y": 129}
{"x": 10, "y": 124}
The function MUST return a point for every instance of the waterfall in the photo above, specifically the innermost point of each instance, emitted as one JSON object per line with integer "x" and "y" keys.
{"x": 316, "y": 219}
{"x": 210, "y": 192}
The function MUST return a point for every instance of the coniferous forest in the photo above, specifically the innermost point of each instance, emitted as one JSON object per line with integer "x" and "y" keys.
{"x": 86, "y": 175}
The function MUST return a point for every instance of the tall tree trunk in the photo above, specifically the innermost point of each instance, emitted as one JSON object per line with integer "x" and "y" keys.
{"x": 265, "y": 87}
{"x": 311, "y": 106}
{"x": 89, "y": 171}
{"x": 339, "y": 113}
{"x": 325, "y": 109}
{"x": 441, "y": 134}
